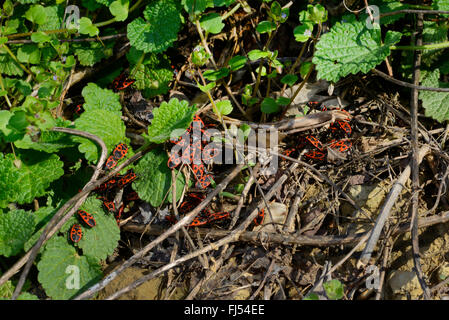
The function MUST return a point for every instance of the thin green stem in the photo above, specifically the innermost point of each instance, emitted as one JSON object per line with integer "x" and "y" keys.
{"x": 139, "y": 62}
{"x": 432, "y": 46}
{"x": 231, "y": 12}
{"x": 6, "y": 95}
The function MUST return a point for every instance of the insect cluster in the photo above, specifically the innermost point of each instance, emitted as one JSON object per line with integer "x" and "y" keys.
{"x": 339, "y": 131}
{"x": 191, "y": 150}
{"x": 106, "y": 192}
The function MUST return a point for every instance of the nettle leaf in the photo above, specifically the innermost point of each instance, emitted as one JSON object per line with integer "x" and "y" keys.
{"x": 155, "y": 183}
{"x": 152, "y": 75}
{"x": 432, "y": 33}
{"x": 41, "y": 217}
{"x": 212, "y": 23}
{"x": 119, "y": 9}
{"x": 436, "y": 104}
{"x": 48, "y": 141}
{"x": 159, "y": 30}
{"x": 172, "y": 117}
{"x": 351, "y": 48}
{"x": 96, "y": 98}
{"x": 441, "y": 5}
{"x": 8, "y": 65}
{"x": 92, "y": 52}
{"x": 60, "y": 266}
{"x": 100, "y": 241}
{"x": 16, "y": 227}
{"x": 30, "y": 180}
{"x": 54, "y": 18}
{"x": 103, "y": 123}
{"x": 384, "y": 7}
{"x": 334, "y": 289}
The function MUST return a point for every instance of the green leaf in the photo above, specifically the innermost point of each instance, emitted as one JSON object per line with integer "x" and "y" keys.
{"x": 224, "y": 107}
{"x": 207, "y": 87}
{"x": 160, "y": 29}
{"x": 86, "y": 27}
{"x": 24, "y": 184}
{"x": 8, "y": 65}
{"x": 432, "y": 33}
{"x": 305, "y": 68}
{"x": 195, "y": 7}
{"x": 289, "y": 79}
{"x": 119, "y": 9}
{"x": 92, "y": 52}
{"x": 55, "y": 15}
{"x": 303, "y": 32}
{"x": 96, "y": 98}
{"x": 312, "y": 296}
{"x": 172, "y": 117}
{"x": 16, "y": 227}
{"x": 441, "y": 5}
{"x": 313, "y": 14}
{"x": 155, "y": 184}
{"x": 100, "y": 241}
{"x": 213, "y": 75}
{"x": 40, "y": 37}
{"x": 436, "y": 104}
{"x": 199, "y": 56}
{"x": 334, "y": 289}
{"x": 103, "y": 123}
{"x": 237, "y": 62}
{"x": 269, "y": 105}
{"x": 48, "y": 141}
{"x": 152, "y": 75}
{"x": 221, "y": 3}
{"x": 350, "y": 48}
{"x": 282, "y": 101}
{"x": 29, "y": 53}
{"x": 257, "y": 54}
{"x": 212, "y": 23}
{"x": 58, "y": 263}
{"x": 265, "y": 27}
{"x": 36, "y": 14}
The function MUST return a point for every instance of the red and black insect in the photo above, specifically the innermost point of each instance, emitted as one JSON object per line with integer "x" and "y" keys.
{"x": 315, "y": 155}
{"x": 132, "y": 196}
{"x": 120, "y": 151}
{"x": 87, "y": 218}
{"x": 342, "y": 145}
{"x": 121, "y": 82}
{"x": 218, "y": 216}
{"x": 260, "y": 217}
{"x": 79, "y": 109}
{"x": 109, "y": 205}
{"x": 127, "y": 178}
{"x": 118, "y": 215}
{"x": 76, "y": 233}
{"x": 314, "y": 142}
{"x": 110, "y": 162}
